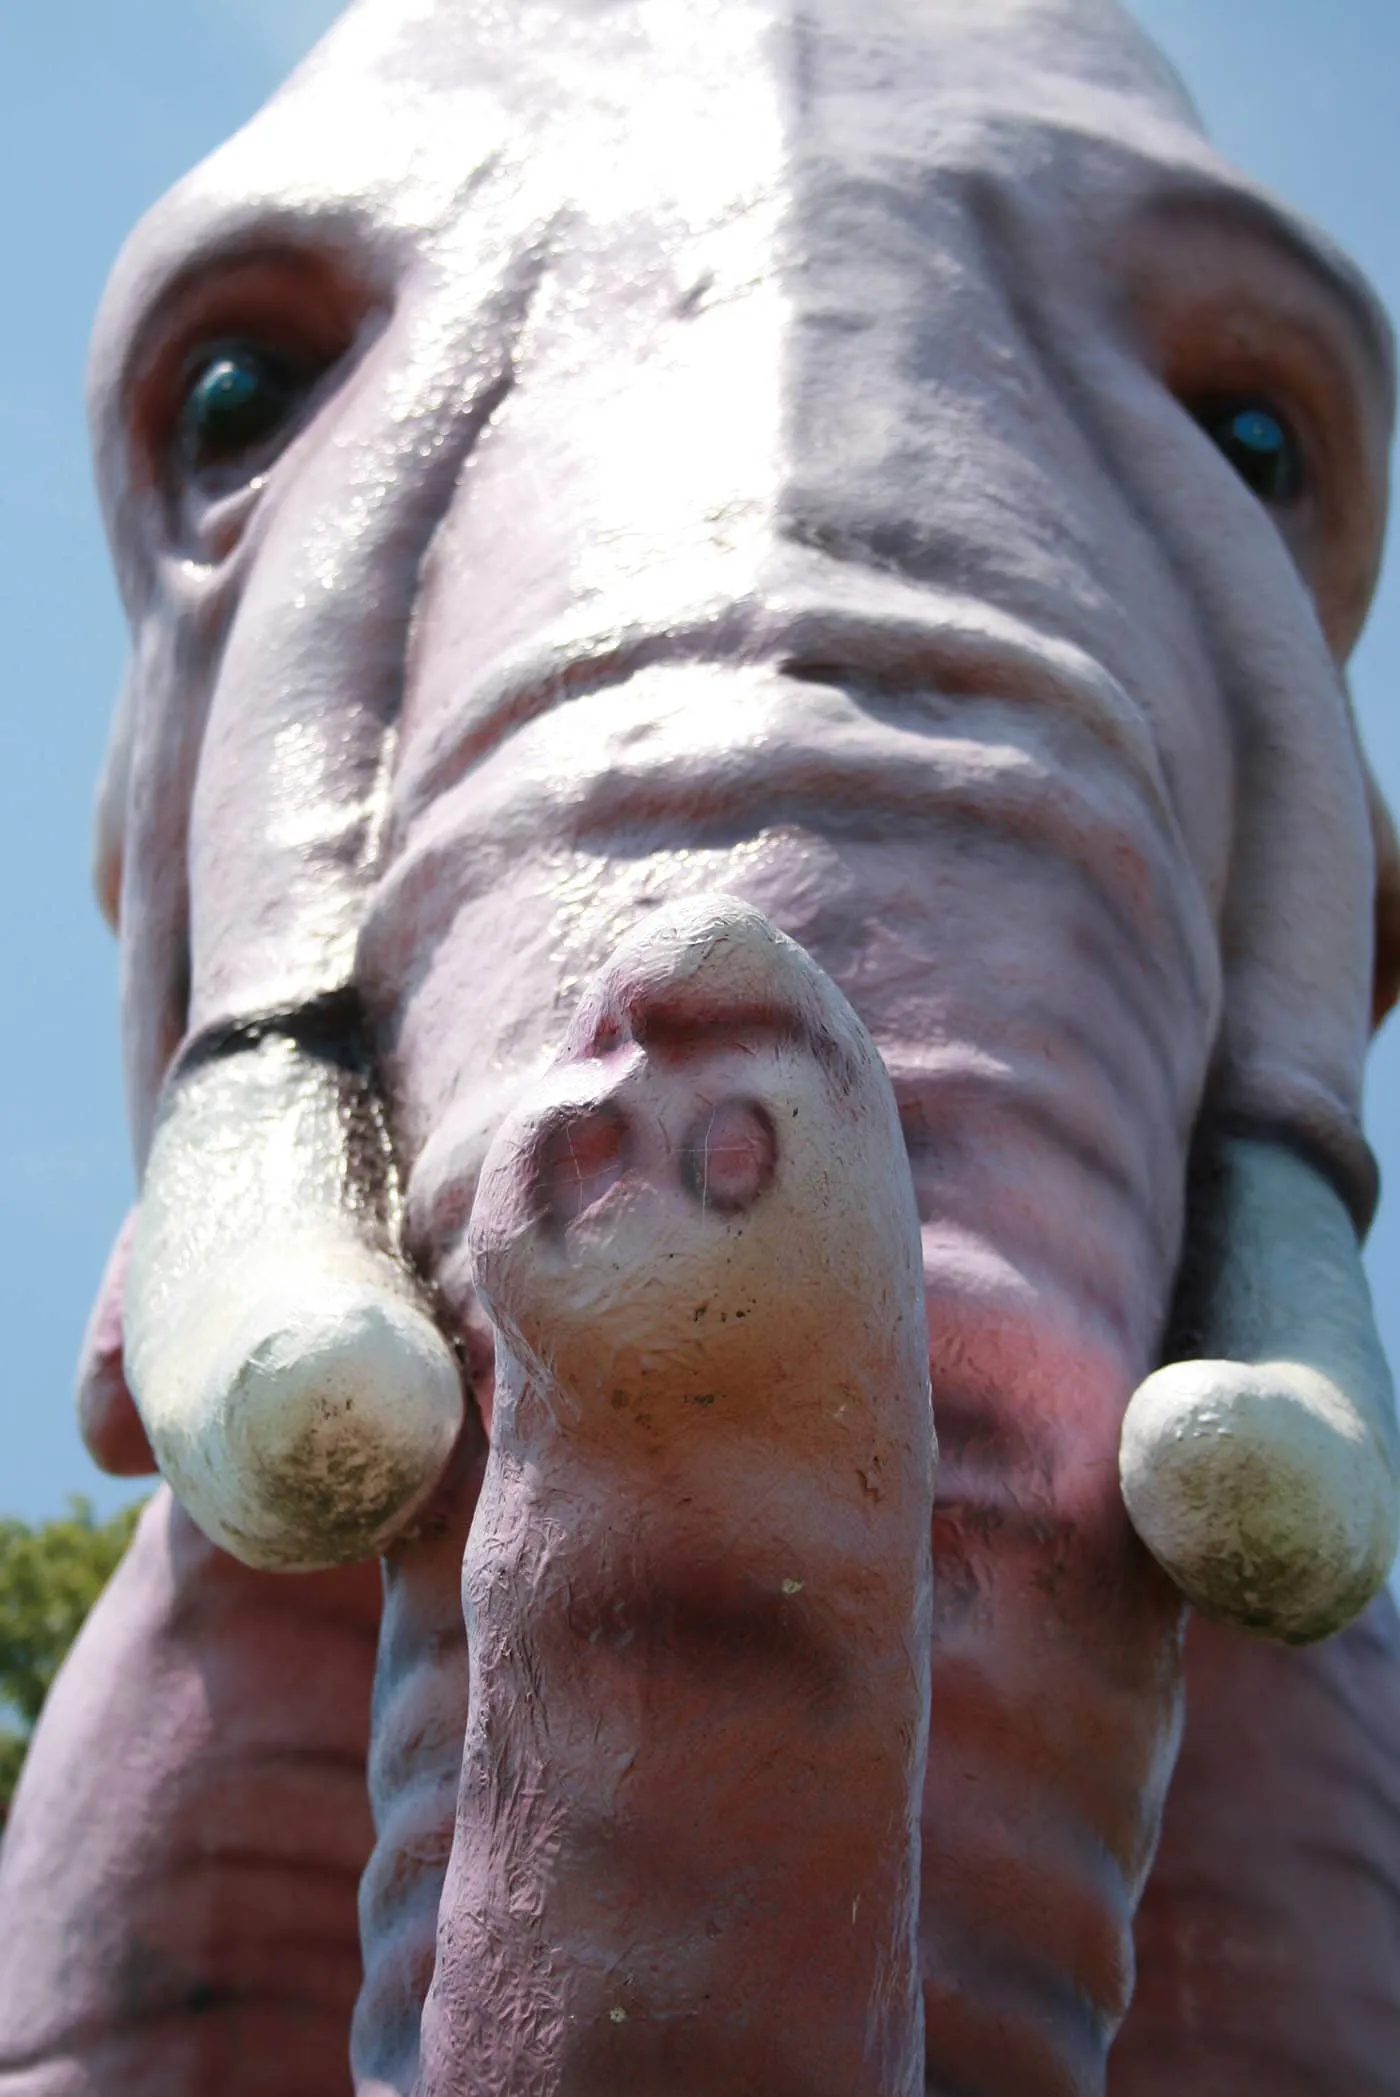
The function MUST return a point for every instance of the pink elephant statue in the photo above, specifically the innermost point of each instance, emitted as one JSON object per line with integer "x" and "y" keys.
{"x": 750, "y": 913}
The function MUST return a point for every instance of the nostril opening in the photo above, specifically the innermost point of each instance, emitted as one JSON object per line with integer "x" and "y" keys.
{"x": 730, "y": 1155}
{"x": 579, "y": 1157}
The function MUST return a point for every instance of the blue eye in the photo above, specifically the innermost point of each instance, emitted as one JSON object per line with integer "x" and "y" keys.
{"x": 239, "y": 398}
{"x": 1258, "y": 444}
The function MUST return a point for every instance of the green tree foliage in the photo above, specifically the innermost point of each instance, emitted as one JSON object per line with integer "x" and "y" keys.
{"x": 50, "y": 1576}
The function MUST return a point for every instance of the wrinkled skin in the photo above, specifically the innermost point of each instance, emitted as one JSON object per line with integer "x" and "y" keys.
{"x": 753, "y": 453}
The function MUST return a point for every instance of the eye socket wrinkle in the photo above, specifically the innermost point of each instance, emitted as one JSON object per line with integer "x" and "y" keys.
{"x": 1235, "y": 307}
{"x": 284, "y": 310}
{"x": 1219, "y": 206}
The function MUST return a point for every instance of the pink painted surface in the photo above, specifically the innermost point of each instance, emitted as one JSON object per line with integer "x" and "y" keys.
{"x": 1269, "y": 1940}
{"x": 752, "y": 453}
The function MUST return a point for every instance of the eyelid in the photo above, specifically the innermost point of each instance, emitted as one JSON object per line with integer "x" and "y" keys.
{"x": 1216, "y": 326}
{"x": 1222, "y": 228}
{"x": 298, "y": 306}
{"x": 1225, "y": 348}
{"x": 1218, "y": 305}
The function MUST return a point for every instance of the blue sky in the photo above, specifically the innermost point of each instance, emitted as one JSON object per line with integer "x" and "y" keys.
{"x": 102, "y": 105}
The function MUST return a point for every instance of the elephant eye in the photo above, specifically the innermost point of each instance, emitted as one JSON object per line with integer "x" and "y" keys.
{"x": 239, "y": 397}
{"x": 1258, "y": 444}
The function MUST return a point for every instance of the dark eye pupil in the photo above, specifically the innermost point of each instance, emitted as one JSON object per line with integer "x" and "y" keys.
{"x": 1260, "y": 447}
{"x": 238, "y": 399}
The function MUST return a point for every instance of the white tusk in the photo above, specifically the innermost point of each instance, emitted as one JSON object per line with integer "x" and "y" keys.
{"x": 1264, "y": 1479}
{"x": 297, "y": 1393}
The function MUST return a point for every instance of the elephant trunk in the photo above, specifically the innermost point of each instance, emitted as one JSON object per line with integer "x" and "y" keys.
{"x": 697, "y": 1586}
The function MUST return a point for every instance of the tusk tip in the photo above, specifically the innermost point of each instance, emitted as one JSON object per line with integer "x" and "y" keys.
{"x": 1260, "y": 1490}
{"x": 306, "y": 1412}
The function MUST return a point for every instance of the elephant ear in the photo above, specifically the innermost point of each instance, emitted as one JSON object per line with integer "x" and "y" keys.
{"x": 1386, "y": 979}
{"x": 109, "y": 813}
{"x": 111, "y": 1426}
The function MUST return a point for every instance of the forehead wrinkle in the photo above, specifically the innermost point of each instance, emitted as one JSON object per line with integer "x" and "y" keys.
{"x": 390, "y": 82}
{"x": 1169, "y": 170}
{"x": 338, "y": 156}
{"x": 984, "y": 111}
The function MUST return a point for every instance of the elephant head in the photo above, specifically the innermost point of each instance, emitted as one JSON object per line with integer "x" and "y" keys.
{"x": 878, "y": 464}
